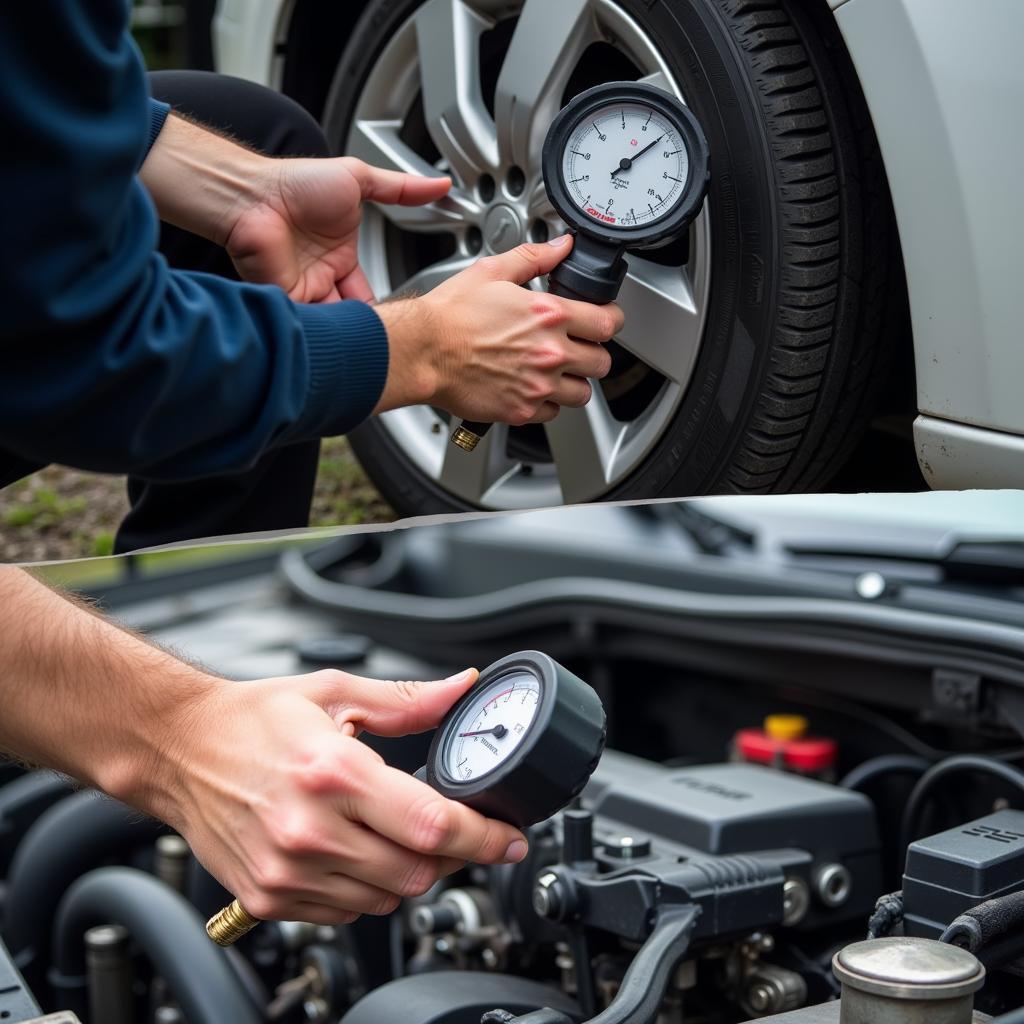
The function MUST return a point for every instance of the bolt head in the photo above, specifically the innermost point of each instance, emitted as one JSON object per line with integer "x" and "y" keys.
{"x": 548, "y": 895}
{"x": 759, "y": 998}
{"x": 796, "y": 901}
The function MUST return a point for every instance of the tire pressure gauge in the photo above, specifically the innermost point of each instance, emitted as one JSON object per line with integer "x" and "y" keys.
{"x": 626, "y": 166}
{"x": 521, "y": 744}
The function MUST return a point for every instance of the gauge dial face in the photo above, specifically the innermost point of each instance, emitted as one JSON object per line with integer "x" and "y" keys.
{"x": 491, "y": 725}
{"x": 625, "y": 165}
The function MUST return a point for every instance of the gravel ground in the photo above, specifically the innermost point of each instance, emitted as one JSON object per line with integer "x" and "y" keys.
{"x": 62, "y": 513}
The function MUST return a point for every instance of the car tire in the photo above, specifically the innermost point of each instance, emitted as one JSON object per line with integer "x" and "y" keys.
{"x": 806, "y": 280}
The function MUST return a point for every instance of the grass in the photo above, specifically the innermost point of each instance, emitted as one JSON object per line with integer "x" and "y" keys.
{"x": 344, "y": 495}
{"x": 43, "y": 508}
{"x": 93, "y": 572}
{"x": 62, "y": 513}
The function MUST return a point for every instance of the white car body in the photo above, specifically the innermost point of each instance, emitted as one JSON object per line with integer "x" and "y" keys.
{"x": 945, "y": 86}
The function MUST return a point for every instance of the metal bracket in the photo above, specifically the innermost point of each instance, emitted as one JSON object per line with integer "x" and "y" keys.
{"x": 956, "y": 691}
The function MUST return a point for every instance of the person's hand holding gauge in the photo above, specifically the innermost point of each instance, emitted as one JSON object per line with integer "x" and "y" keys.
{"x": 626, "y": 166}
{"x": 517, "y": 747}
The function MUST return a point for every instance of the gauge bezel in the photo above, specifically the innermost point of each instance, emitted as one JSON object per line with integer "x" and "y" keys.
{"x": 543, "y": 669}
{"x": 553, "y": 761}
{"x": 582, "y": 106}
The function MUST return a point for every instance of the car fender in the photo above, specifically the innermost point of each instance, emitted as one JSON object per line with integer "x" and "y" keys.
{"x": 944, "y": 85}
{"x": 246, "y": 34}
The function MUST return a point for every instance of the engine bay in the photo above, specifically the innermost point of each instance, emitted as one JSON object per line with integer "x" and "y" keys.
{"x": 743, "y": 828}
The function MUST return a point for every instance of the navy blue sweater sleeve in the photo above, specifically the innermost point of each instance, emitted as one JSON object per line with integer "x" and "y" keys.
{"x": 110, "y": 360}
{"x": 157, "y": 115}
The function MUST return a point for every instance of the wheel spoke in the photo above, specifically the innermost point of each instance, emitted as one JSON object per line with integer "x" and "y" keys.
{"x": 430, "y": 277}
{"x": 663, "y": 322}
{"x": 447, "y": 215}
{"x": 471, "y": 475}
{"x": 448, "y": 36}
{"x": 548, "y": 41}
{"x": 379, "y": 143}
{"x": 538, "y": 206}
{"x": 658, "y": 80}
{"x": 583, "y": 444}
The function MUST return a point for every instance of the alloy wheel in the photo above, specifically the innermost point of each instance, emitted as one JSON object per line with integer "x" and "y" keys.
{"x": 432, "y": 105}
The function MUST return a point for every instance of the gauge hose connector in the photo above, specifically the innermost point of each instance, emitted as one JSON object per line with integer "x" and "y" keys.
{"x": 227, "y": 926}
{"x": 466, "y": 438}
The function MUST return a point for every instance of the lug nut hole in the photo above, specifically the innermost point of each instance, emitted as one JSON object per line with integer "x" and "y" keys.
{"x": 515, "y": 182}
{"x": 485, "y": 188}
{"x": 539, "y": 231}
{"x": 474, "y": 240}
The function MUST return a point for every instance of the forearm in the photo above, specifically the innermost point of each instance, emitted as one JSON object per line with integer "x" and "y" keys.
{"x": 201, "y": 181}
{"x": 87, "y": 698}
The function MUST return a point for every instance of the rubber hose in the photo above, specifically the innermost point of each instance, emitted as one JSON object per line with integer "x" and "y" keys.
{"x": 877, "y": 767}
{"x": 981, "y": 925}
{"x": 21, "y": 803}
{"x": 922, "y": 792}
{"x": 166, "y": 928}
{"x": 71, "y": 838}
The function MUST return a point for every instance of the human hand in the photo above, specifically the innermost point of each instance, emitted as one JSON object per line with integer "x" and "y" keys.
{"x": 300, "y": 228}
{"x": 484, "y": 348}
{"x": 301, "y": 820}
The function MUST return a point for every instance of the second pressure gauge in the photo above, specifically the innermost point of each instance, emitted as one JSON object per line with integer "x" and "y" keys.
{"x": 522, "y": 743}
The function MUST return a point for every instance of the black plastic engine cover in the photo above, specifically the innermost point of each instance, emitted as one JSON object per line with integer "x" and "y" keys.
{"x": 727, "y": 809}
{"x": 952, "y": 871}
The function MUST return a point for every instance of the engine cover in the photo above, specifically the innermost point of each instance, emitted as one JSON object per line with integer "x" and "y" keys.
{"x": 815, "y": 832}
{"x": 955, "y": 870}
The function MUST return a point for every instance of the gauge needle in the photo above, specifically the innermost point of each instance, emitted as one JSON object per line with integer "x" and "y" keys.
{"x": 496, "y": 731}
{"x": 626, "y": 162}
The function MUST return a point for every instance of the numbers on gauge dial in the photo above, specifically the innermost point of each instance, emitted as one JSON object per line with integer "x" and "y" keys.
{"x": 491, "y": 726}
{"x": 625, "y": 166}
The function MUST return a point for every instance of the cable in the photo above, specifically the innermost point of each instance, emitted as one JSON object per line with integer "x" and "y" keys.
{"x": 888, "y": 913}
{"x": 888, "y": 764}
{"x": 922, "y": 792}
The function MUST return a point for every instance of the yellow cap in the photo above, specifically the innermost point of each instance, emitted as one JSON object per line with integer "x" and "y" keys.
{"x": 785, "y": 727}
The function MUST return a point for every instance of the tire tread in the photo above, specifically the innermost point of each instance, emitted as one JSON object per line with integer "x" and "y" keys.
{"x": 785, "y": 446}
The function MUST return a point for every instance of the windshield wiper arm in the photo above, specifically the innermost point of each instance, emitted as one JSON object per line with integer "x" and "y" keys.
{"x": 713, "y": 536}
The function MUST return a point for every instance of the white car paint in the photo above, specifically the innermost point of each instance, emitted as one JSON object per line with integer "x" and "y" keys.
{"x": 945, "y": 85}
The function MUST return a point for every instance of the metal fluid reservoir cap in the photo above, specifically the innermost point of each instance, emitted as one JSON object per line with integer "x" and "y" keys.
{"x": 903, "y": 967}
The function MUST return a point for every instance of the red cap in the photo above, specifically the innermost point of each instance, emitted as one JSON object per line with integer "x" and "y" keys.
{"x": 810, "y": 754}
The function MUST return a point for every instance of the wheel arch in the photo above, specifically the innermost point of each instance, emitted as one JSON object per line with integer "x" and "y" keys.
{"x": 313, "y": 38}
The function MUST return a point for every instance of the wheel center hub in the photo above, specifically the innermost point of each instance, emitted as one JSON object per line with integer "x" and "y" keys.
{"x": 503, "y": 229}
